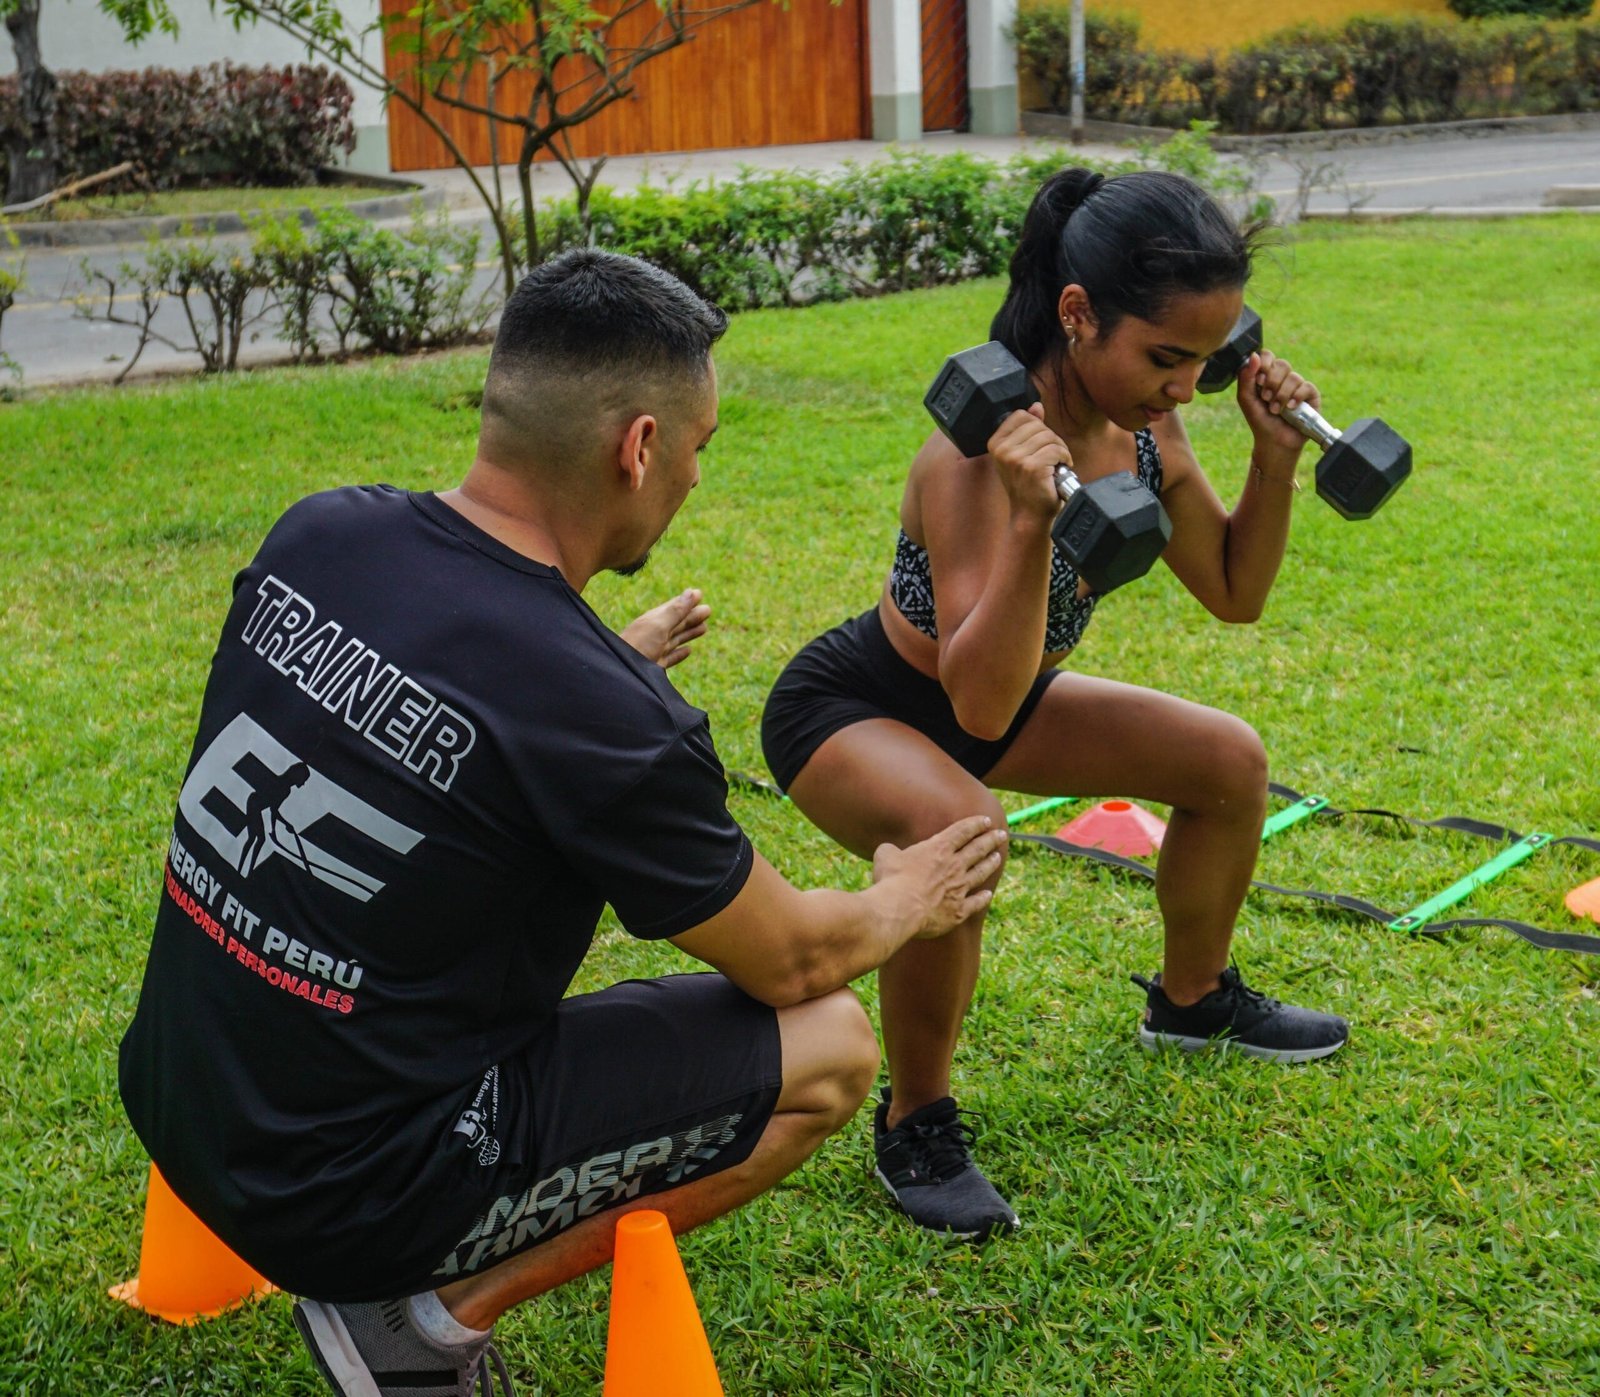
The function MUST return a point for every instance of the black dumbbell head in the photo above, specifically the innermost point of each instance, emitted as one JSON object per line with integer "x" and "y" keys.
{"x": 1368, "y": 463}
{"x": 1223, "y": 367}
{"x": 975, "y": 392}
{"x": 1113, "y": 529}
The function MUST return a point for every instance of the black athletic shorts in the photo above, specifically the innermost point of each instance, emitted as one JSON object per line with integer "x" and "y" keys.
{"x": 853, "y": 673}
{"x": 638, "y": 1088}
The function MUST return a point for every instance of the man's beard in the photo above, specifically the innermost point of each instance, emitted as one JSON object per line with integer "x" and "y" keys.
{"x": 637, "y": 565}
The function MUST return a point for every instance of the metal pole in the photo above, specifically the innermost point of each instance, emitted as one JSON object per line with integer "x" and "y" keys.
{"x": 1078, "y": 69}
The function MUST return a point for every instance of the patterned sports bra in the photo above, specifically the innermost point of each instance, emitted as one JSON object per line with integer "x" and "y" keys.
{"x": 911, "y": 579}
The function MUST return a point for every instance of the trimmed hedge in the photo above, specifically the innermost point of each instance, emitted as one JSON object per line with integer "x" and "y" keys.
{"x": 1372, "y": 70}
{"x": 909, "y": 220}
{"x": 220, "y": 125}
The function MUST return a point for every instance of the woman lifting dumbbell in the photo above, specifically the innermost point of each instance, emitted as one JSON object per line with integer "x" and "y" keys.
{"x": 894, "y": 724}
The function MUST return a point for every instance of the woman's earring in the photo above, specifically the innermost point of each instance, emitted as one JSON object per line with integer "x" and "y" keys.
{"x": 1071, "y": 332}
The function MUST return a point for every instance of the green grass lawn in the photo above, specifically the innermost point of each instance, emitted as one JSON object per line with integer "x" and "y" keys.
{"x": 199, "y": 202}
{"x": 1420, "y": 1214}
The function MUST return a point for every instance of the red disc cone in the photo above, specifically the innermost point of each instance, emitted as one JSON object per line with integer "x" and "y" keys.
{"x": 1584, "y": 900}
{"x": 185, "y": 1273}
{"x": 656, "y": 1346}
{"x": 1118, "y": 827}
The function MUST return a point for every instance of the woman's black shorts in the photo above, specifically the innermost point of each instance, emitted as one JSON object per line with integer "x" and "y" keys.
{"x": 853, "y": 673}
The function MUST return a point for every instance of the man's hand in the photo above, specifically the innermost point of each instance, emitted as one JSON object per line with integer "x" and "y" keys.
{"x": 664, "y": 632}
{"x": 946, "y": 871}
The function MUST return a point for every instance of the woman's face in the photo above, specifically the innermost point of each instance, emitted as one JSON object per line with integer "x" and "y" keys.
{"x": 1145, "y": 368}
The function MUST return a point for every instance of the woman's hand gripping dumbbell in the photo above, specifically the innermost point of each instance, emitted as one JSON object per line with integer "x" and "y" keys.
{"x": 1112, "y": 529}
{"x": 1360, "y": 466}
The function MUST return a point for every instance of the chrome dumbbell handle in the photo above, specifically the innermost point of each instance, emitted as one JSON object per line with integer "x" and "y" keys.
{"x": 1067, "y": 484}
{"x": 1309, "y": 422}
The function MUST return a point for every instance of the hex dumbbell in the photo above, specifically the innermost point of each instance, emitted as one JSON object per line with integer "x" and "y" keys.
{"x": 1112, "y": 529}
{"x": 1360, "y": 466}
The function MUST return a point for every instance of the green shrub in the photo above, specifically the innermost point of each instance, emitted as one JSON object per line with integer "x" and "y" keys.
{"x": 1527, "y": 65}
{"x": 1367, "y": 71}
{"x": 216, "y": 287}
{"x": 395, "y": 293}
{"x": 1287, "y": 81}
{"x": 769, "y": 238}
{"x": 1043, "y": 35}
{"x": 338, "y": 286}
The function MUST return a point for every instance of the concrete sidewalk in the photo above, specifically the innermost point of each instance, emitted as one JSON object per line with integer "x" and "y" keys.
{"x": 625, "y": 172}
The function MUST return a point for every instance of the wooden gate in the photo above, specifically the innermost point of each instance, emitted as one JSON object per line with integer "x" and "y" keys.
{"x": 944, "y": 65}
{"x": 761, "y": 76}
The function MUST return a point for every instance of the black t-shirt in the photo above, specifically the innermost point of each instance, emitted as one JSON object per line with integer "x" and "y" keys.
{"x": 423, "y": 766}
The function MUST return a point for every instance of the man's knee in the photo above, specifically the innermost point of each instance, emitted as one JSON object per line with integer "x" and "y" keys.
{"x": 830, "y": 1056}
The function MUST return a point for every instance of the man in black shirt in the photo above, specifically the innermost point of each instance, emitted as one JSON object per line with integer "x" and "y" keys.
{"x": 423, "y": 766}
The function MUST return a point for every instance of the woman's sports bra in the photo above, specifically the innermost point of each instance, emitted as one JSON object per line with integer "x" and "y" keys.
{"x": 911, "y": 578}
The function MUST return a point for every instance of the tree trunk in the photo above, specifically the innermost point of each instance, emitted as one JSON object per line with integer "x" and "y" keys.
{"x": 33, "y": 155}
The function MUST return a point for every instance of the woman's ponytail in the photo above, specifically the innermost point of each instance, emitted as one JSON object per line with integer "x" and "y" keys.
{"x": 1133, "y": 242}
{"x": 1023, "y": 322}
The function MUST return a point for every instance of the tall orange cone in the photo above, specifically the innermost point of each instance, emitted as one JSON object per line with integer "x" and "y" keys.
{"x": 656, "y": 1346}
{"x": 1584, "y": 900}
{"x": 1118, "y": 827}
{"x": 185, "y": 1274}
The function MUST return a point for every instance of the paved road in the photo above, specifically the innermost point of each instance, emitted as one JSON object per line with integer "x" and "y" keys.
{"x": 1487, "y": 172}
{"x": 1490, "y": 173}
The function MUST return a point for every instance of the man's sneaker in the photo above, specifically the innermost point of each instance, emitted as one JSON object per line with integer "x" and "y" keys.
{"x": 926, "y": 1164}
{"x": 1240, "y": 1019}
{"x": 377, "y": 1351}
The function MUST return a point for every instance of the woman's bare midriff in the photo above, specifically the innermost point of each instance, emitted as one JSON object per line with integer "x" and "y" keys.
{"x": 921, "y": 652}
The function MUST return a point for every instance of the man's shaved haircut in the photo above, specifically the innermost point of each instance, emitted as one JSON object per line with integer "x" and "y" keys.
{"x": 588, "y": 341}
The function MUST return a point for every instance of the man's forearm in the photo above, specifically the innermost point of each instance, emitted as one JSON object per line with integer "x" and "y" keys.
{"x": 840, "y": 936}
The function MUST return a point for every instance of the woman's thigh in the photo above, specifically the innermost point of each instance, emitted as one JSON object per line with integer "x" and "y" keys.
{"x": 1098, "y": 737}
{"x": 879, "y": 781}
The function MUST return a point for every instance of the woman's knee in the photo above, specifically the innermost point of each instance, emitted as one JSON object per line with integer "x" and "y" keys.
{"x": 938, "y": 812}
{"x": 1238, "y": 785}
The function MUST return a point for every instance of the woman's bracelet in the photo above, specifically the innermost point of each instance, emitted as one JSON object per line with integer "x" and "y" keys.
{"x": 1260, "y": 474}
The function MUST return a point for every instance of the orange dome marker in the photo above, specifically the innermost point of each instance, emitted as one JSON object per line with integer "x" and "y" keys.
{"x": 1584, "y": 900}
{"x": 1118, "y": 827}
{"x": 185, "y": 1274}
{"x": 656, "y": 1345}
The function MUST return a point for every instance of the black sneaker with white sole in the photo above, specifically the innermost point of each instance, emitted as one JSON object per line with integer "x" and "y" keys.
{"x": 926, "y": 1164}
{"x": 1239, "y": 1019}
{"x": 377, "y": 1351}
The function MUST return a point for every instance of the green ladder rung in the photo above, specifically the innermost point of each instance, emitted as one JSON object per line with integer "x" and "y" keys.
{"x": 1524, "y": 848}
{"x": 1054, "y": 803}
{"x": 1292, "y": 815}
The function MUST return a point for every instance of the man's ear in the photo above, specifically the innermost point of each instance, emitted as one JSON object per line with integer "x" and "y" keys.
{"x": 636, "y": 453}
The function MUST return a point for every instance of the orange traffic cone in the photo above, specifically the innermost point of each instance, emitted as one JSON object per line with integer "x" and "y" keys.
{"x": 656, "y": 1344}
{"x": 185, "y": 1274}
{"x": 1584, "y": 900}
{"x": 1118, "y": 827}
